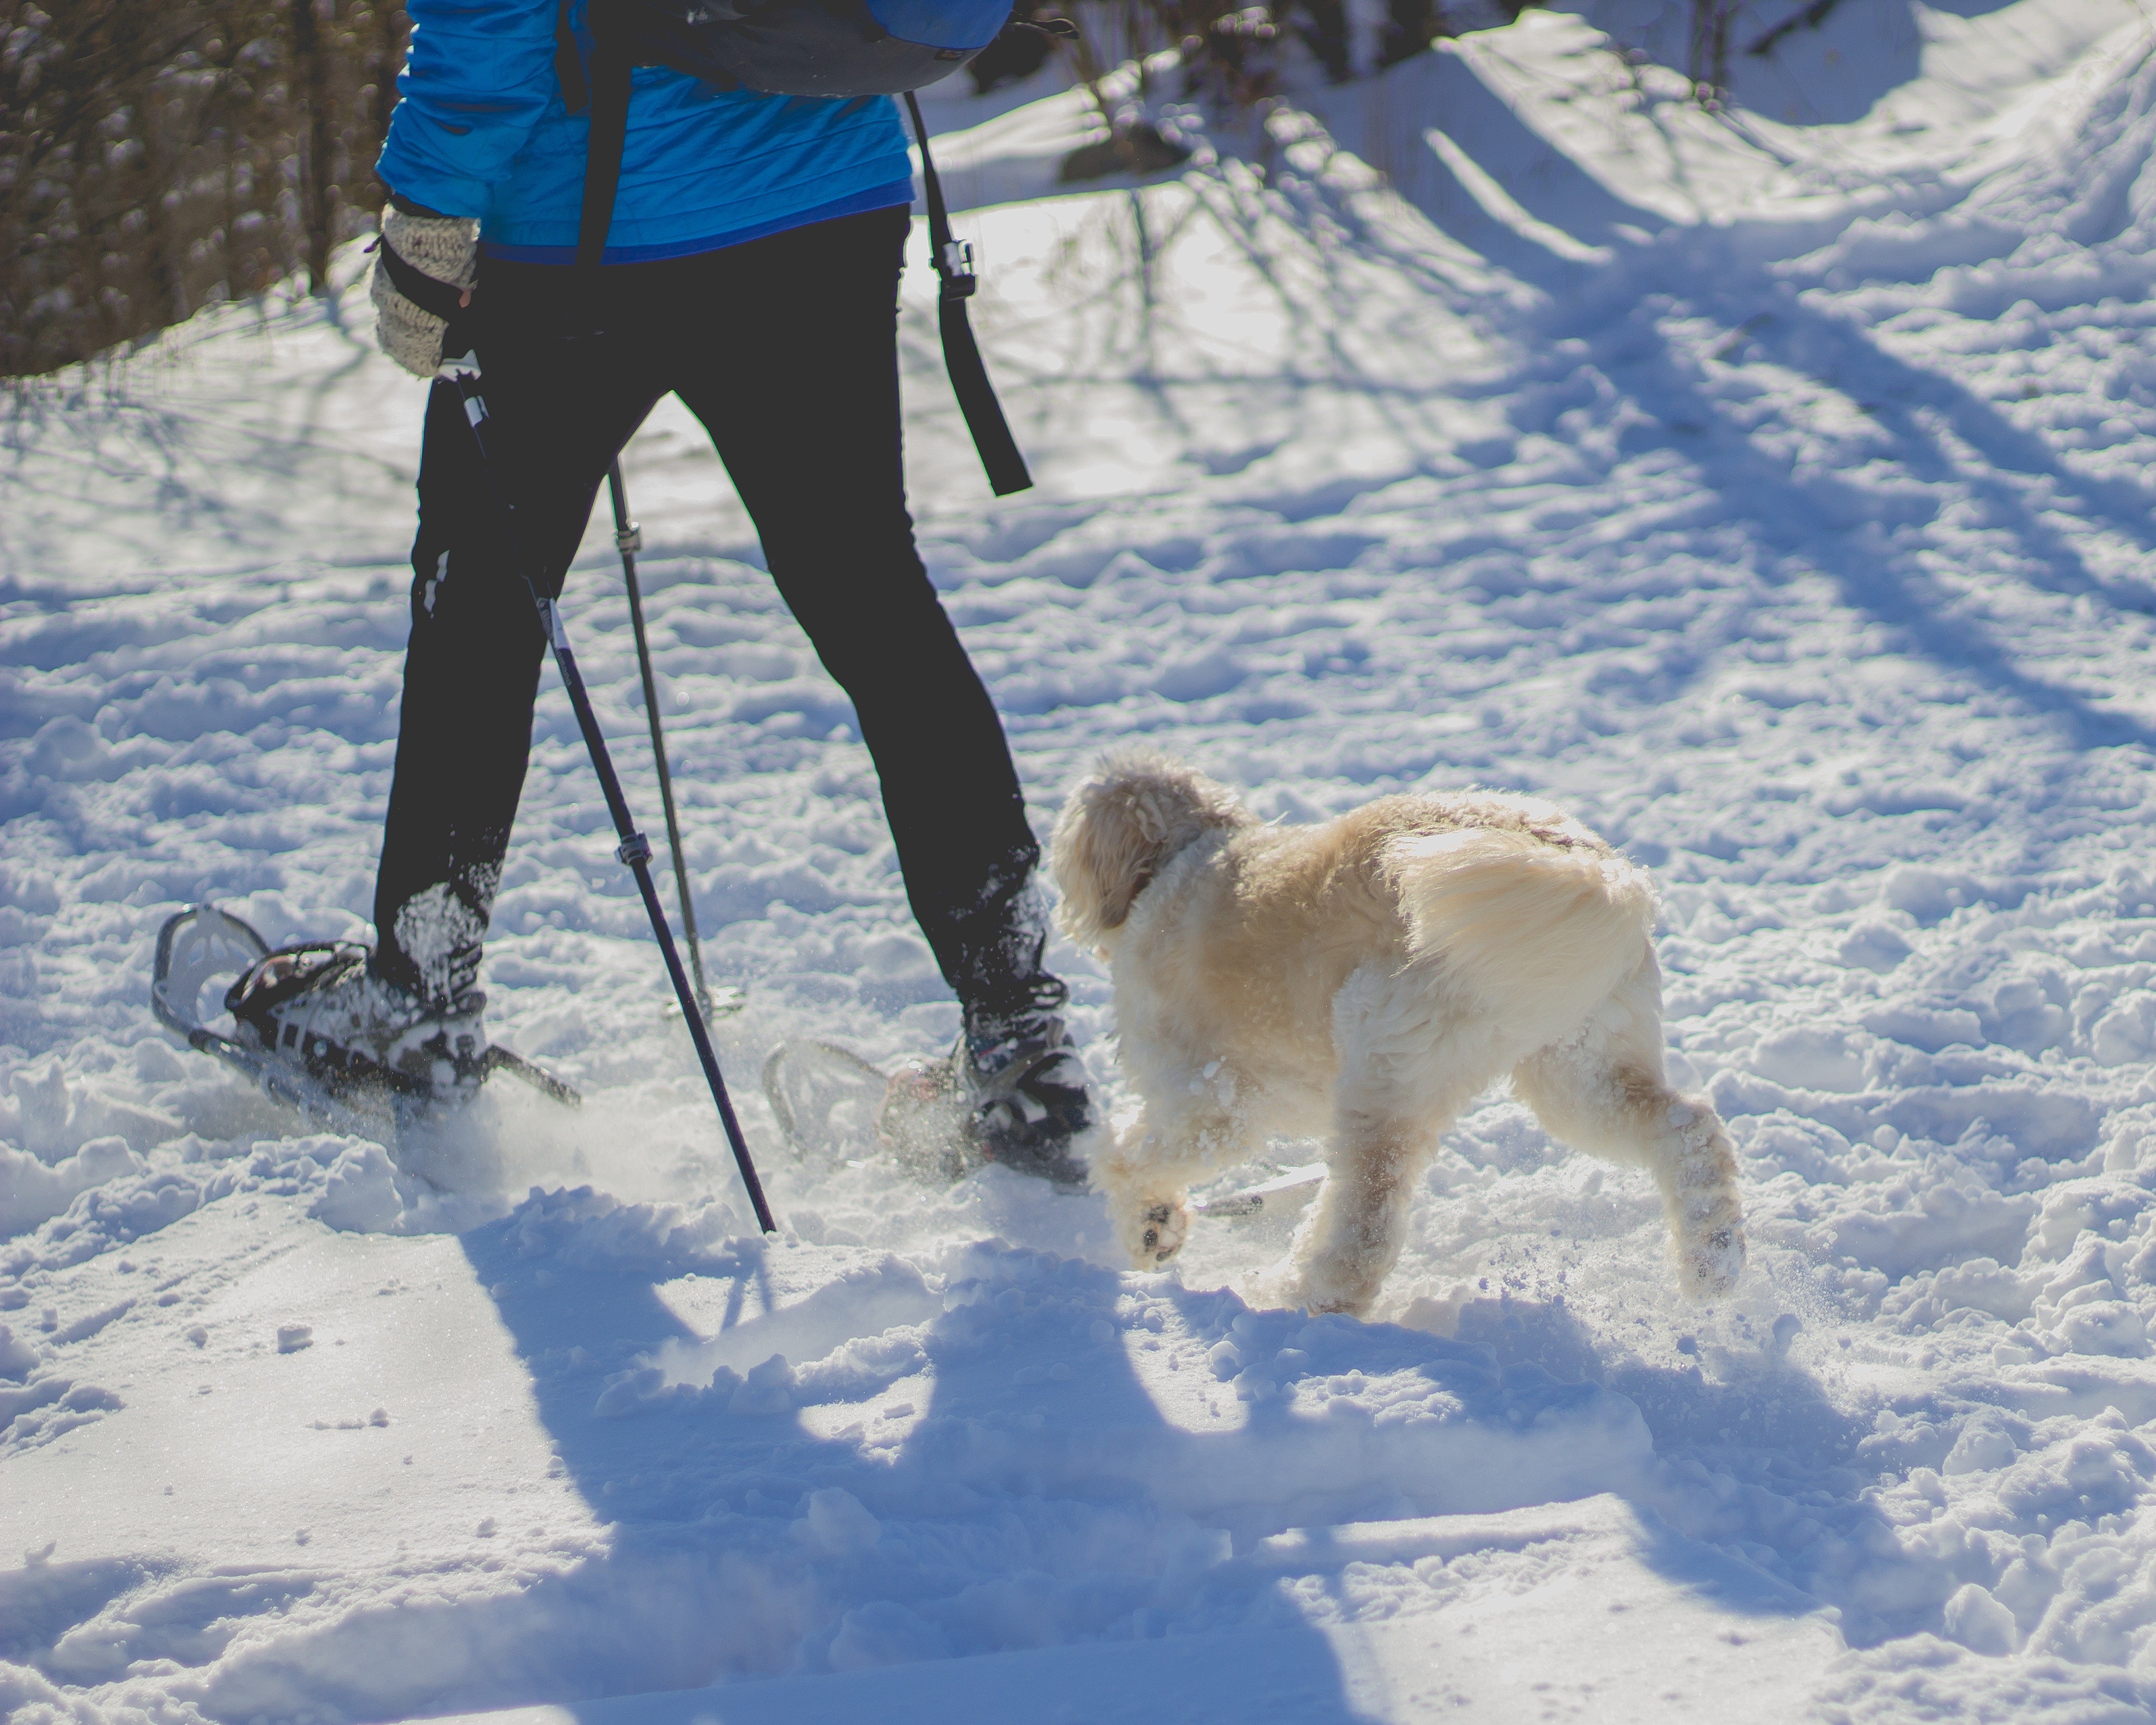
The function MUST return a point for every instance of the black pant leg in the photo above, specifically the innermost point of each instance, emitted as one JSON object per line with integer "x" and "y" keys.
{"x": 559, "y": 412}
{"x": 801, "y": 397}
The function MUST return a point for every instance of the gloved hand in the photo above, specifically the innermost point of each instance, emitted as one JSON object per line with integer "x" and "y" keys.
{"x": 444, "y": 249}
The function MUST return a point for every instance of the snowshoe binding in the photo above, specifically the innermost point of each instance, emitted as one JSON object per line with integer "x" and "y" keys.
{"x": 921, "y": 1119}
{"x": 317, "y": 1029}
{"x": 1027, "y": 1101}
{"x": 318, "y": 1006}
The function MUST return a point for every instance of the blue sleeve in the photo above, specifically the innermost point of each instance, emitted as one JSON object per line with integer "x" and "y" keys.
{"x": 478, "y": 79}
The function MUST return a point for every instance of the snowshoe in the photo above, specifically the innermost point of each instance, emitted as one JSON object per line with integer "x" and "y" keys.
{"x": 828, "y": 1099}
{"x": 1292, "y": 1187}
{"x": 923, "y": 1121}
{"x": 946, "y": 1118}
{"x": 1012, "y": 1091}
{"x": 822, "y": 1095}
{"x": 318, "y": 1033}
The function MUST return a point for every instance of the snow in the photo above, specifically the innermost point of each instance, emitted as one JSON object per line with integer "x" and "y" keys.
{"x": 1769, "y": 489}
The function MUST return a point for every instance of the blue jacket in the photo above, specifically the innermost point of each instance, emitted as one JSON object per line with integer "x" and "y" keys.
{"x": 481, "y": 130}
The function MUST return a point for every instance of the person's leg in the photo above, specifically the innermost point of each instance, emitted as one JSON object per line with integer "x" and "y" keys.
{"x": 406, "y": 1020}
{"x": 800, "y": 393}
{"x": 558, "y": 411}
{"x": 802, "y": 400}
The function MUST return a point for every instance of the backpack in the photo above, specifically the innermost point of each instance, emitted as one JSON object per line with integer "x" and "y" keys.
{"x": 813, "y": 47}
{"x": 816, "y": 49}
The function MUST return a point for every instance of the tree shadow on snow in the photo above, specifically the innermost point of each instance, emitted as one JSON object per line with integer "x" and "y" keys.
{"x": 1827, "y": 71}
{"x": 1875, "y": 549}
{"x": 1757, "y": 1460}
{"x": 1616, "y": 275}
{"x": 1454, "y": 149}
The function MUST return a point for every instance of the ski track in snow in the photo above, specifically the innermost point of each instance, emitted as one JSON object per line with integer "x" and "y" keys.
{"x": 1772, "y": 490}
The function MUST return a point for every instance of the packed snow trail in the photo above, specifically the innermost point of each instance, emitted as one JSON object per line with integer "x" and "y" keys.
{"x": 1769, "y": 488}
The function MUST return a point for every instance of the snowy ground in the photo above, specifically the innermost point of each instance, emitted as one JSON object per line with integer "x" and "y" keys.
{"x": 1771, "y": 489}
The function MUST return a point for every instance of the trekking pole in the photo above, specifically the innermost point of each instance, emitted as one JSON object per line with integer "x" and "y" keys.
{"x": 635, "y": 849}
{"x": 628, "y": 540}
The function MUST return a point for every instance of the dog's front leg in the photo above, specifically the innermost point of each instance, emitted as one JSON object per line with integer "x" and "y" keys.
{"x": 1347, "y": 1245}
{"x": 1147, "y": 1173}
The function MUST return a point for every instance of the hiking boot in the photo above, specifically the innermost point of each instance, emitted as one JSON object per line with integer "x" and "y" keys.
{"x": 319, "y": 1009}
{"x": 1025, "y": 1088}
{"x": 1013, "y": 1091}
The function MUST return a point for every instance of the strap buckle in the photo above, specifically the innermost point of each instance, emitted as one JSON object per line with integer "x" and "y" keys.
{"x": 954, "y": 263}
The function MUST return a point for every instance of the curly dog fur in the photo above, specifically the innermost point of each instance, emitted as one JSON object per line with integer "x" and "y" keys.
{"x": 1366, "y": 978}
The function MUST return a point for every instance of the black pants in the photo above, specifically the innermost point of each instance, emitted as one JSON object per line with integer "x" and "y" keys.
{"x": 786, "y": 349}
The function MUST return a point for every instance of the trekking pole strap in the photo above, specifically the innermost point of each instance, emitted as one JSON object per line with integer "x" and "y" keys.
{"x": 962, "y": 354}
{"x": 437, "y": 298}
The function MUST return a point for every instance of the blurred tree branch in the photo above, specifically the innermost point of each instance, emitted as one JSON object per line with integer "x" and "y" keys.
{"x": 154, "y": 158}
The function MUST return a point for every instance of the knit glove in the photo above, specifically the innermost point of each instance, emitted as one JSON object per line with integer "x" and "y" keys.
{"x": 444, "y": 249}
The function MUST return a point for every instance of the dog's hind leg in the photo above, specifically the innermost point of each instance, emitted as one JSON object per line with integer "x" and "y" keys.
{"x": 1602, "y": 1090}
{"x": 1409, "y": 1062}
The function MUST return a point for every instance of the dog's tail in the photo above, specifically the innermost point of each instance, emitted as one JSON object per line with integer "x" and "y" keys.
{"x": 1537, "y": 930}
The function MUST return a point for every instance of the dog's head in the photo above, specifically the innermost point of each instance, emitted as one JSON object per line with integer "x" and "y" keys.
{"x": 1121, "y": 827}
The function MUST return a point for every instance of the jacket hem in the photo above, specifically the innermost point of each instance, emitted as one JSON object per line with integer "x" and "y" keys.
{"x": 883, "y": 197}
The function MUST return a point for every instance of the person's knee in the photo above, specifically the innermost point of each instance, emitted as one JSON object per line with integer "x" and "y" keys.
{"x": 889, "y": 629}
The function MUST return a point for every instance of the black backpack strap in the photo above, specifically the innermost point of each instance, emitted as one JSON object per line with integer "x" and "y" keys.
{"x": 568, "y": 64}
{"x": 962, "y": 354}
{"x": 609, "y": 94}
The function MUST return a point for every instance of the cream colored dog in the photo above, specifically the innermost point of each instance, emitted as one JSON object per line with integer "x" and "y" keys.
{"x": 1367, "y": 978}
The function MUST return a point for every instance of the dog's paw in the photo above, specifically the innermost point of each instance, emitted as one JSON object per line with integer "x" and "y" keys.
{"x": 1325, "y": 1283}
{"x": 1161, "y": 1228}
{"x": 1710, "y": 1260}
{"x": 1323, "y": 1291}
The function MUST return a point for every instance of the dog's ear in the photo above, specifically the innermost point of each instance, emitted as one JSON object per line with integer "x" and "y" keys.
{"x": 1119, "y": 828}
{"x": 1102, "y": 856}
